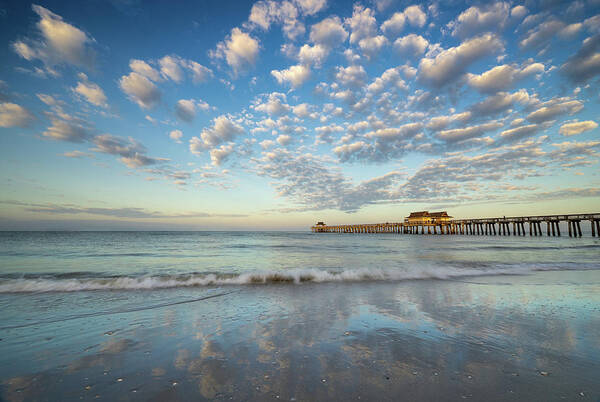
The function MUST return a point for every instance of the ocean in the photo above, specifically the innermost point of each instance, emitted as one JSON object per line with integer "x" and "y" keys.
{"x": 297, "y": 316}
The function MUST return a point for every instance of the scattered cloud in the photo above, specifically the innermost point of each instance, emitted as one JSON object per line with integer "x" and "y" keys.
{"x": 77, "y": 154}
{"x": 294, "y": 76}
{"x": 220, "y": 154}
{"x": 362, "y": 24}
{"x": 449, "y": 65}
{"x": 329, "y": 32}
{"x": 13, "y": 115}
{"x": 57, "y": 42}
{"x": 132, "y": 153}
{"x": 541, "y": 34}
{"x": 176, "y": 136}
{"x": 578, "y": 127}
{"x": 553, "y": 108}
{"x": 466, "y": 133}
{"x": 71, "y": 131}
{"x": 239, "y": 50}
{"x": 502, "y": 77}
{"x": 90, "y": 91}
{"x": 140, "y": 90}
{"x": 411, "y": 45}
{"x": 186, "y": 109}
{"x": 274, "y": 104}
{"x": 223, "y": 129}
{"x": 125, "y": 212}
{"x": 585, "y": 64}
{"x": 478, "y": 19}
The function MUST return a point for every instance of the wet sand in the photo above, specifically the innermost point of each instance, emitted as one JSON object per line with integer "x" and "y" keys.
{"x": 499, "y": 338}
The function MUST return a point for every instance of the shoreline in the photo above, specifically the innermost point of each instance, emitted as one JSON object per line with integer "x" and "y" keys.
{"x": 490, "y": 339}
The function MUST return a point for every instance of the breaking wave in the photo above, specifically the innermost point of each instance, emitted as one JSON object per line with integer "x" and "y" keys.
{"x": 82, "y": 282}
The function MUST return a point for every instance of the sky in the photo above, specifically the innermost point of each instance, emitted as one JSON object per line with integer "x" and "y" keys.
{"x": 128, "y": 114}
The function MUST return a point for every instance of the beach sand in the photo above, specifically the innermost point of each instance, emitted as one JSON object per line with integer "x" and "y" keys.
{"x": 532, "y": 337}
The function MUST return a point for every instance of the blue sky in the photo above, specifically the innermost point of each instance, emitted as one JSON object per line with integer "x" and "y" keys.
{"x": 269, "y": 114}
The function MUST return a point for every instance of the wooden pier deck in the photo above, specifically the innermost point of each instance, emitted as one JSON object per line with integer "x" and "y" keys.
{"x": 504, "y": 226}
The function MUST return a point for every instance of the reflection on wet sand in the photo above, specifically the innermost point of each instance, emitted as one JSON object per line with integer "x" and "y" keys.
{"x": 507, "y": 338}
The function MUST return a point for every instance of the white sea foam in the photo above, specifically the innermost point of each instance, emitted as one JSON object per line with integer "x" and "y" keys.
{"x": 297, "y": 276}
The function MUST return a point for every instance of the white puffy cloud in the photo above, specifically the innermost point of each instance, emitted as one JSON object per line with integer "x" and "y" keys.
{"x": 284, "y": 139}
{"x": 294, "y": 76}
{"x": 185, "y": 109}
{"x": 176, "y": 136}
{"x": 219, "y": 155}
{"x": 264, "y": 13}
{"x": 239, "y": 50}
{"x": 274, "y": 105}
{"x": 578, "y": 127}
{"x": 358, "y": 127}
{"x": 372, "y": 45}
{"x": 90, "y": 91}
{"x": 60, "y": 42}
{"x": 266, "y": 144}
{"x": 351, "y": 76}
{"x": 411, "y": 45}
{"x": 502, "y": 77}
{"x": 394, "y": 24}
{"x": 312, "y": 55}
{"x": 475, "y": 20}
{"x": 301, "y": 110}
{"x": 451, "y": 64}
{"x": 310, "y": 7}
{"x": 362, "y": 23}
{"x": 140, "y": 90}
{"x": 140, "y": 83}
{"x": 408, "y": 71}
{"x": 200, "y": 73}
{"x": 324, "y": 133}
{"x": 170, "y": 68}
{"x": 145, "y": 69}
{"x": 390, "y": 78}
{"x": 518, "y": 11}
{"x": 330, "y": 32}
{"x": 415, "y": 16}
{"x": 13, "y": 115}
{"x": 222, "y": 130}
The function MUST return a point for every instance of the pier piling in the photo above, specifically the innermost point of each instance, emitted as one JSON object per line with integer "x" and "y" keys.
{"x": 476, "y": 227}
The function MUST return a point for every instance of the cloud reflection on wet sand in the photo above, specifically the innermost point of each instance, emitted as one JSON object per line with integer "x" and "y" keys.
{"x": 521, "y": 338}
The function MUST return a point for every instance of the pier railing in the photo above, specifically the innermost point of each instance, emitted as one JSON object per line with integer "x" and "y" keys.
{"x": 477, "y": 226}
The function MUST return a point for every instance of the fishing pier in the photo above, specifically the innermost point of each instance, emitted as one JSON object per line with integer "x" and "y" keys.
{"x": 441, "y": 223}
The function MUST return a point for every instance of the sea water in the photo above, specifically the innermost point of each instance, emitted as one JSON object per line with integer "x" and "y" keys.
{"x": 304, "y": 316}
{"x": 85, "y": 261}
